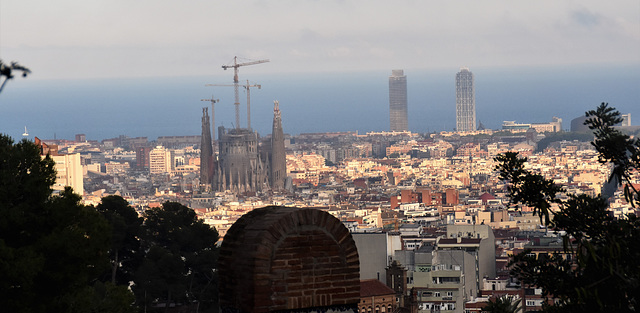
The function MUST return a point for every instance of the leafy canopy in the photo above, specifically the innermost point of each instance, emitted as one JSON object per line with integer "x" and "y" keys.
{"x": 602, "y": 273}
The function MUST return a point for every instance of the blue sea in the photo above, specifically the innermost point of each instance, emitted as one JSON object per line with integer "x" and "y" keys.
{"x": 319, "y": 102}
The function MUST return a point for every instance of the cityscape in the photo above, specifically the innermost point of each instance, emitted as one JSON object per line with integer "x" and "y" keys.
{"x": 363, "y": 191}
{"x": 402, "y": 195}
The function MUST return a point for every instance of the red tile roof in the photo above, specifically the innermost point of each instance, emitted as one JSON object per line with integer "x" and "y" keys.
{"x": 374, "y": 287}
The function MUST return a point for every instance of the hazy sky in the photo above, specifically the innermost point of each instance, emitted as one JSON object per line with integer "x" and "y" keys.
{"x": 139, "y": 38}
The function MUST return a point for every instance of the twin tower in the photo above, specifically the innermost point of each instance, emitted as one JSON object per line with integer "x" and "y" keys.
{"x": 465, "y": 101}
{"x": 243, "y": 164}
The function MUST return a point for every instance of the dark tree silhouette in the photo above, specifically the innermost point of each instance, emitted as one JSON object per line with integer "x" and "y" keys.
{"x": 52, "y": 248}
{"x": 180, "y": 260}
{"x": 125, "y": 238}
{"x": 504, "y": 304}
{"x": 603, "y": 273}
{"x": 7, "y": 72}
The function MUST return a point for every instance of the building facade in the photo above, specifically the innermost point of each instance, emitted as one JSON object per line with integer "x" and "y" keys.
{"x": 68, "y": 167}
{"x": 68, "y": 173}
{"x": 398, "y": 113}
{"x": 465, "y": 101}
{"x": 160, "y": 160}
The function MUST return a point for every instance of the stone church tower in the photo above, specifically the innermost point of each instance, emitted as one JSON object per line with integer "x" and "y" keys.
{"x": 277, "y": 168}
{"x": 206, "y": 152}
{"x": 241, "y": 166}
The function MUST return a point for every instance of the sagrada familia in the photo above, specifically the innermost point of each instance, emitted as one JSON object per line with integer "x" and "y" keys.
{"x": 243, "y": 163}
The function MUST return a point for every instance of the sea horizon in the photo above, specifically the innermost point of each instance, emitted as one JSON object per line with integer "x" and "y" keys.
{"x": 104, "y": 108}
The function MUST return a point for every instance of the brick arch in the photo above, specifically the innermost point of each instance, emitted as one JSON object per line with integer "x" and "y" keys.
{"x": 279, "y": 258}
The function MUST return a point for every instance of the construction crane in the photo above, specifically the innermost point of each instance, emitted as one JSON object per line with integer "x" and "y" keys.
{"x": 213, "y": 114}
{"x": 247, "y": 87}
{"x": 235, "y": 67}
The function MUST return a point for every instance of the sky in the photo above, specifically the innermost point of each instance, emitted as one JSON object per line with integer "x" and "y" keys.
{"x": 71, "y": 39}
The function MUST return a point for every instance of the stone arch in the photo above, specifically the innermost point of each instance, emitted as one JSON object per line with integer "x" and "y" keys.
{"x": 284, "y": 258}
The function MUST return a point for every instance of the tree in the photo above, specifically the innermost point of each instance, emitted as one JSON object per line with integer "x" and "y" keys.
{"x": 603, "y": 273}
{"x": 7, "y": 70}
{"x": 504, "y": 304}
{"x": 52, "y": 248}
{"x": 125, "y": 237}
{"x": 180, "y": 260}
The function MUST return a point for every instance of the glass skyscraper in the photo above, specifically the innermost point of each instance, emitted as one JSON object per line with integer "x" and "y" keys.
{"x": 465, "y": 101}
{"x": 398, "y": 116}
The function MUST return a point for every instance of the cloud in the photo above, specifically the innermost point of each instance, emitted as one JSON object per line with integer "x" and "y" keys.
{"x": 586, "y": 18}
{"x": 98, "y": 38}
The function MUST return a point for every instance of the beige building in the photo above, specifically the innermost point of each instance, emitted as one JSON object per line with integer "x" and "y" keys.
{"x": 68, "y": 172}
{"x": 160, "y": 160}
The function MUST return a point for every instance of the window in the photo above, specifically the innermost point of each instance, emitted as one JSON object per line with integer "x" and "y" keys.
{"x": 436, "y": 294}
{"x": 449, "y": 280}
{"x": 449, "y": 293}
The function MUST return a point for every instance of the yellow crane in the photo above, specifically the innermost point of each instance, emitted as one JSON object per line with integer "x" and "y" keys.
{"x": 236, "y": 82}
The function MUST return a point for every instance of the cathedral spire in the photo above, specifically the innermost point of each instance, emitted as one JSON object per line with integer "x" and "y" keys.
{"x": 278, "y": 157}
{"x": 206, "y": 151}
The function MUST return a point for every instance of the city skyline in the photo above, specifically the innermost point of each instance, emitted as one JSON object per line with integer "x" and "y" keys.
{"x": 348, "y": 102}
{"x": 126, "y": 74}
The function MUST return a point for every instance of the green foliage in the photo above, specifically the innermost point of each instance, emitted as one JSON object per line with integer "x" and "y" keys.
{"x": 104, "y": 298}
{"x": 58, "y": 255}
{"x": 504, "y": 304}
{"x": 125, "y": 242}
{"x": 51, "y": 247}
{"x": 599, "y": 270}
{"x": 527, "y": 188}
{"x": 615, "y": 148}
{"x": 180, "y": 261}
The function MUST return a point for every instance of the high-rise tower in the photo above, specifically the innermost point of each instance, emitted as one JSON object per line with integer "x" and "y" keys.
{"x": 465, "y": 101}
{"x": 278, "y": 172}
{"x": 398, "y": 116}
{"x": 206, "y": 151}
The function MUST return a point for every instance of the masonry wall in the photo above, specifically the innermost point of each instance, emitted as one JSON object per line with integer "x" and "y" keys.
{"x": 288, "y": 259}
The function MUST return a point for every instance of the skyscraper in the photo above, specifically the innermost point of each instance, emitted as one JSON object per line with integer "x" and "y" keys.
{"x": 465, "y": 101}
{"x": 398, "y": 117}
